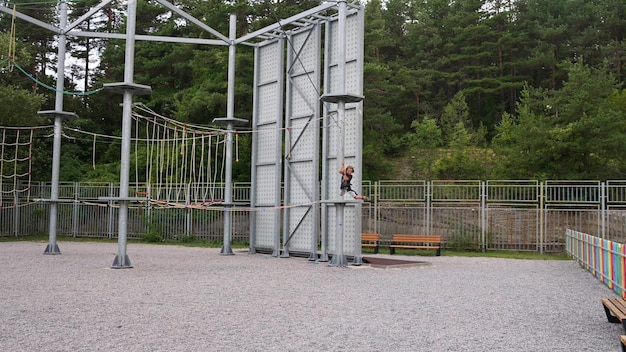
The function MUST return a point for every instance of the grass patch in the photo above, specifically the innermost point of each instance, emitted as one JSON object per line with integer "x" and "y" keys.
{"x": 189, "y": 242}
{"x": 489, "y": 254}
{"x": 508, "y": 254}
{"x": 185, "y": 241}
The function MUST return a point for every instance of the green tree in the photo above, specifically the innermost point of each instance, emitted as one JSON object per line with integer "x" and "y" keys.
{"x": 462, "y": 161}
{"x": 425, "y": 142}
{"x": 523, "y": 143}
{"x": 569, "y": 133}
{"x": 455, "y": 113}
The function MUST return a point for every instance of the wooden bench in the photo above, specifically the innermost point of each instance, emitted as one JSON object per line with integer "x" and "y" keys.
{"x": 615, "y": 309}
{"x": 370, "y": 240}
{"x": 415, "y": 242}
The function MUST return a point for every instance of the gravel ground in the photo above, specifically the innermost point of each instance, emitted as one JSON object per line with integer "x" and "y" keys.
{"x": 194, "y": 299}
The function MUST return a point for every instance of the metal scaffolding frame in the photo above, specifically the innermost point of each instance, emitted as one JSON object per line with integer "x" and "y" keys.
{"x": 334, "y": 15}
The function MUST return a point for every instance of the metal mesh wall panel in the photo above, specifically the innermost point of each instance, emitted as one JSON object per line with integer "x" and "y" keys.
{"x": 302, "y": 161}
{"x": 266, "y": 150}
{"x": 347, "y": 135}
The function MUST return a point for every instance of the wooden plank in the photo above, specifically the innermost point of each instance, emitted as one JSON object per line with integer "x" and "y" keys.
{"x": 416, "y": 238}
{"x": 370, "y": 237}
{"x": 370, "y": 240}
{"x": 427, "y": 242}
{"x": 620, "y": 304}
{"x": 409, "y": 246}
{"x": 617, "y": 307}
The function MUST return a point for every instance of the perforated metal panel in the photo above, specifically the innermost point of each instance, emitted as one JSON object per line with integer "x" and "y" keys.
{"x": 301, "y": 213}
{"x": 302, "y": 121}
{"x": 351, "y": 140}
{"x": 267, "y": 121}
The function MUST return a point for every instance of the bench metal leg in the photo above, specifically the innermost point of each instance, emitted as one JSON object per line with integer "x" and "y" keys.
{"x": 624, "y": 325}
{"x": 438, "y": 252}
{"x": 392, "y": 250}
{"x": 611, "y": 317}
{"x": 376, "y": 250}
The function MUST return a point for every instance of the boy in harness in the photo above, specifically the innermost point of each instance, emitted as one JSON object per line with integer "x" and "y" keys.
{"x": 346, "y": 183}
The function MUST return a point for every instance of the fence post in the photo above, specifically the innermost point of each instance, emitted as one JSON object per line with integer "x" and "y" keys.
{"x": 187, "y": 211}
{"x": 110, "y": 206}
{"x": 603, "y": 210}
{"x": 428, "y": 206}
{"x": 376, "y": 197}
{"x": 16, "y": 213}
{"x": 75, "y": 212}
{"x": 483, "y": 215}
{"x": 542, "y": 215}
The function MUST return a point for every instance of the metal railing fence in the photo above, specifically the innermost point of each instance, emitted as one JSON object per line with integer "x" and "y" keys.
{"x": 523, "y": 215}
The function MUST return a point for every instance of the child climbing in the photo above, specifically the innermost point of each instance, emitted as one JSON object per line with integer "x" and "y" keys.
{"x": 346, "y": 182}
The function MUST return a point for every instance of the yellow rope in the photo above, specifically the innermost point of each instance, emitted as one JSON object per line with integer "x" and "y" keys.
{"x": 12, "y": 41}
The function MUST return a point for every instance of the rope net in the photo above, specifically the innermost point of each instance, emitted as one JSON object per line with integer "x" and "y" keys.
{"x": 16, "y": 147}
{"x": 180, "y": 163}
{"x": 174, "y": 164}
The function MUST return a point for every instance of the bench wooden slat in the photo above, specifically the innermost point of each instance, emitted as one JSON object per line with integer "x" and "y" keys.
{"x": 622, "y": 342}
{"x": 370, "y": 240}
{"x": 416, "y": 238}
{"x": 415, "y": 242}
{"x": 615, "y": 309}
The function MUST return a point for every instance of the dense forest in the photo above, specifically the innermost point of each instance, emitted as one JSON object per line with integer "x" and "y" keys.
{"x": 474, "y": 89}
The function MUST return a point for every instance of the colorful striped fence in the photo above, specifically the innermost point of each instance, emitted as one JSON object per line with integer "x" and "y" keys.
{"x": 605, "y": 259}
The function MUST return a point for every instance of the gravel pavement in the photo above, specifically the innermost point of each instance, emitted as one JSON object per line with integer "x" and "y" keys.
{"x": 194, "y": 299}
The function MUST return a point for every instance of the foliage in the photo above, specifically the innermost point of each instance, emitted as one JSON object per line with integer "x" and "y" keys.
{"x": 462, "y": 89}
{"x": 569, "y": 133}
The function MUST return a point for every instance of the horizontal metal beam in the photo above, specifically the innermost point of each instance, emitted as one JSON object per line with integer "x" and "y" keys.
{"x": 292, "y": 19}
{"x": 87, "y": 15}
{"x": 193, "y": 20}
{"x": 153, "y": 38}
{"x": 32, "y": 20}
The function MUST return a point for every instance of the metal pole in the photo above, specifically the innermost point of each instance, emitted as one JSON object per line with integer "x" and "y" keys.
{"x": 483, "y": 216}
{"x": 339, "y": 259}
{"x": 75, "y": 209}
{"x": 188, "y": 211}
{"x": 603, "y": 209}
{"x": 542, "y": 215}
{"x": 110, "y": 212}
{"x": 122, "y": 261}
{"x": 230, "y": 115}
{"x": 16, "y": 214}
{"x": 52, "y": 247}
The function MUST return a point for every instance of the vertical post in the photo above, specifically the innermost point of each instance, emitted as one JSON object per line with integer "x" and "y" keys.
{"x": 339, "y": 258}
{"x": 75, "y": 209}
{"x": 483, "y": 215}
{"x": 52, "y": 247}
{"x": 188, "y": 211}
{"x": 376, "y": 210}
{"x": 122, "y": 260}
{"x": 542, "y": 215}
{"x": 429, "y": 209}
{"x": 341, "y": 77}
{"x": 603, "y": 207}
{"x": 110, "y": 212}
{"x": 230, "y": 122}
{"x": 230, "y": 115}
{"x": 16, "y": 214}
